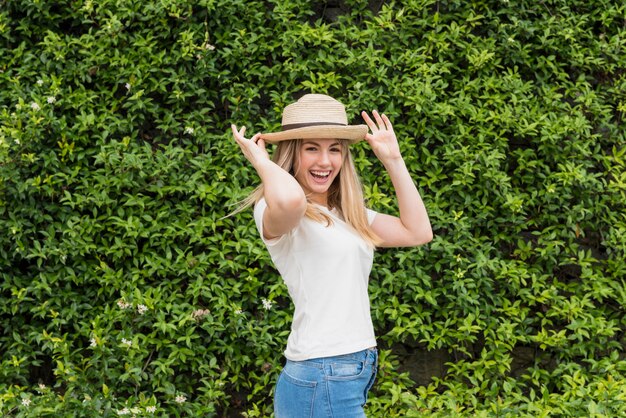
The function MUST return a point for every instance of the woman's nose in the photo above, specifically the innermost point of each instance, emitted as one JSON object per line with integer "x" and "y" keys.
{"x": 324, "y": 158}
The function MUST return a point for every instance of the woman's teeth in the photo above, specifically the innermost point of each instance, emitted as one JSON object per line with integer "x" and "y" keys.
{"x": 320, "y": 174}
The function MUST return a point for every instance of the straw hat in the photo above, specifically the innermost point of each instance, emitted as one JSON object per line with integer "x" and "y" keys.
{"x": 316, "y": 116}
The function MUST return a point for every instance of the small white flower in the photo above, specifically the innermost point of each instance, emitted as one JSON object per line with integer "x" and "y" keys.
{"x": 238, "y": 311}
{"x": 51, "y": 99}
{"x": 267, "y": 304}
{"x": 17, "y": 141}
{"x": 93, "y": 342}
{"x": 180, "y": 399}
{"x": 124, "y": 411}
{"x": 26, "y": 402}
{"x": 189, "y": 130}
{"x": 123, "y": 304}
{"x": 209, "y": 46}
{"x": 40, "y": 82}
{"x": 151, "y": 409}
{"x": 42, "y": 386}
{"x": 142, "y": 309}
{"x": 127, "y": 343}
{"x": 35, "y": 106}
{"x": 128, "y": 86}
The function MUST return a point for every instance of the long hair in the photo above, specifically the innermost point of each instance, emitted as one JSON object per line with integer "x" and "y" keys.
{"x": 345, "y": 194}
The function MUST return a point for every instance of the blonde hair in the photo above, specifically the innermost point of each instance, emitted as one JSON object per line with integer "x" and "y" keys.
{"x": 345, "y": 194}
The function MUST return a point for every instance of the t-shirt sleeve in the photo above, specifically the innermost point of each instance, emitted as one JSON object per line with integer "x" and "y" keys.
{"x": 371, "y": 215}
{"x": 259, "y": 211}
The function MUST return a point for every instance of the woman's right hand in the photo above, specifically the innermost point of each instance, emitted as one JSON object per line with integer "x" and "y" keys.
{"x": 253, "y": 149}
{"x": 286, "y": 202}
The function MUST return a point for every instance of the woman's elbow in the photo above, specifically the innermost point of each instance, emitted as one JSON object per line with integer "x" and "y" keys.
{"x": 428, "y": 236}
{"x": 295, "y": 204}
{"x": 422, "y": 237}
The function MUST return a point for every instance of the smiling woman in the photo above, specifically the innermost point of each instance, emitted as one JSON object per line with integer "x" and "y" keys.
{"x": 311, "y": 215}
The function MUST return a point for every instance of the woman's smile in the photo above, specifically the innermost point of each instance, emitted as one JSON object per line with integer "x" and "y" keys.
{"x": 320, "y": 176}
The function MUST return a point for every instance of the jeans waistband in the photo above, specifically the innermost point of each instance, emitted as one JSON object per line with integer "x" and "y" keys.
{"x": 369, "y": 356}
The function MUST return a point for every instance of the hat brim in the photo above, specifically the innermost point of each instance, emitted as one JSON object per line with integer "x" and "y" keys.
{"x": 353, "y": 133}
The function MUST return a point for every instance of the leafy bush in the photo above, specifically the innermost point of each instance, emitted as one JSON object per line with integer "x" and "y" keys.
{"x": 126, "y": 291}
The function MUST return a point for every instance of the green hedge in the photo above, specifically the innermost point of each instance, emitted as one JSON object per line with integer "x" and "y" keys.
{"x": 125, "y": 291}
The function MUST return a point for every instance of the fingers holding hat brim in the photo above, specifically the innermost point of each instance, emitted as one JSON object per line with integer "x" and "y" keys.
{"x": 353, "y": 133}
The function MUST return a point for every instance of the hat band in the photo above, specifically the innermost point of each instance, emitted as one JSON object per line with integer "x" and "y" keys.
{"x": 304, "y": 125}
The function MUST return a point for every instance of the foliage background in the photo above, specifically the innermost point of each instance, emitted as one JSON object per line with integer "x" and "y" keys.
{"x": 125, "y": 291}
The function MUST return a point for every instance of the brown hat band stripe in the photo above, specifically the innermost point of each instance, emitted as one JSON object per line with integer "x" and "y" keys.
{"x": 304, "y": 125}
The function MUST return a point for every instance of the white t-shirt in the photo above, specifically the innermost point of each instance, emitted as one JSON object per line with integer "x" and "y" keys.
{"x": 326, "y": 270}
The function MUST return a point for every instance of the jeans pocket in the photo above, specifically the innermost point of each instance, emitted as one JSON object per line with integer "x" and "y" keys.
{"x": 347, "y": 390}
{"x": 346, "y": 369}
{"x": 294, "y": 397}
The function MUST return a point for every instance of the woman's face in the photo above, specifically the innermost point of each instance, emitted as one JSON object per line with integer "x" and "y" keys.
{"x": 319, "y": 164}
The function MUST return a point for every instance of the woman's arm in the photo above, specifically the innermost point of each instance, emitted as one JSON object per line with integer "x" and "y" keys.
{"x": 286, "y": 201}
{"x": 412, "y": 228}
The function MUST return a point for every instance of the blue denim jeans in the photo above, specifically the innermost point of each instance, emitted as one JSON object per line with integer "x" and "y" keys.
{"x": 328, "y": 387}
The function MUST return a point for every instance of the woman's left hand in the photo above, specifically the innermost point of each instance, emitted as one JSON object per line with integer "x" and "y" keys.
{"x": 382, "y": 139}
